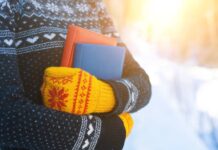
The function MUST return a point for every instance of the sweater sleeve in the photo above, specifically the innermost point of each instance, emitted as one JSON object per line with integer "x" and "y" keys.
{"x": 29, "y": 126}
{"x": 133, "y": 91}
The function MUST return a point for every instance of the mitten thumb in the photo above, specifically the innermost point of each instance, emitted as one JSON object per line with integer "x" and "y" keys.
{"x": 127, "y": 122}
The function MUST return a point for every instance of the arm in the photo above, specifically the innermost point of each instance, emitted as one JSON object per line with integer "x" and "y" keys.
{"x": 133, "y": 91}
{"x": 25, "y": 125}
{"x": 30, "y": 126}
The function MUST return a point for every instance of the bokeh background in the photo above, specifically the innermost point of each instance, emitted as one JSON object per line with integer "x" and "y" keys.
{"x": 176, "y": 42}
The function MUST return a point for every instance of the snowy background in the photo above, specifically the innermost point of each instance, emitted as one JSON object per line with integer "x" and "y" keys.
{"x": 182, "y": 113}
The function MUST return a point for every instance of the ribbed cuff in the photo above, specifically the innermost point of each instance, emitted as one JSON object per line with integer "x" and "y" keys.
{"x": 106, "y": 98}
{"x": 121, "y": 96}
{"x": 112, "y": 134}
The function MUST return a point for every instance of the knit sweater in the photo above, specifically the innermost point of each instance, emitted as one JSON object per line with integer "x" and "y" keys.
{"x": 32, "y": 35}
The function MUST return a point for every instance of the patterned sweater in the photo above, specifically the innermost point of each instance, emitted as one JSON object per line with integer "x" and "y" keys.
{"x": 32, "y": 35}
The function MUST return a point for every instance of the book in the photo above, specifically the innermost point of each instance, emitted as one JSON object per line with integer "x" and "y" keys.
{"x": 104, "y": 62}
{"x": 77, "y": 34}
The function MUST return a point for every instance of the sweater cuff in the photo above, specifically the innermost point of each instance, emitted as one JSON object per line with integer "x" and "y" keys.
{"x": 113, "y": 134}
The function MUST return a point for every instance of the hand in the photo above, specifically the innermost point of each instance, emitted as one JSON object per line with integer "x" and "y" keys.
{"x": 74, "y": 90}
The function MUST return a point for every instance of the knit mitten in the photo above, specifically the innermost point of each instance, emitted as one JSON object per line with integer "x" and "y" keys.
{"x": 76, "y": 91}
{"x": 127, "y": 122}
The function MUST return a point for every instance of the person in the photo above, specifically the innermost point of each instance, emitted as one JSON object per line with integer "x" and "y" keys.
{"x": 32, "y": 35}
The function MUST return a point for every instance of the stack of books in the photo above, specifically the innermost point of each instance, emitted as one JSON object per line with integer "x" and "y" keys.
{"x": 94, "y": 53}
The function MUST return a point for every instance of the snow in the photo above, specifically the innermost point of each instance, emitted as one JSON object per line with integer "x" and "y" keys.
{"x": 161, "y": 126}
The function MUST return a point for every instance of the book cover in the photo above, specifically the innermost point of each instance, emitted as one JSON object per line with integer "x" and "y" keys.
{"x": 77, "y": 34}
{"x": 105, "y": 62}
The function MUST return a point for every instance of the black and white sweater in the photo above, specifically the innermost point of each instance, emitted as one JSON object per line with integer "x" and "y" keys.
{"x": 32, "y": 35}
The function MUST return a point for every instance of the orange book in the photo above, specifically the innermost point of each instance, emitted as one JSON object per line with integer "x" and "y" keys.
{"x": 77, "y": 34}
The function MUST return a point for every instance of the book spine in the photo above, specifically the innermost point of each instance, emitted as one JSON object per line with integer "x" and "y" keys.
{"x": 66, "y": 60}
{"x": 70, "y": 63}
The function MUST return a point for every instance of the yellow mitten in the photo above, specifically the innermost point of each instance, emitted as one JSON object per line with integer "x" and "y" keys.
{"x": 76, "y": 91}
{"x": 127, "y": 122}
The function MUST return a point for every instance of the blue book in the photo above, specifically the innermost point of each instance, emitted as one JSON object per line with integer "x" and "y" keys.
{"x": 104, "y": 62}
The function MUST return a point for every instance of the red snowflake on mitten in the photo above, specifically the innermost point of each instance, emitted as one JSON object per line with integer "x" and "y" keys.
{"x": 57, "y": 98}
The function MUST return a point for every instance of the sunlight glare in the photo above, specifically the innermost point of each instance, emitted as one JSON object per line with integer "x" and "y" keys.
{"x": 163, "y": 11}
